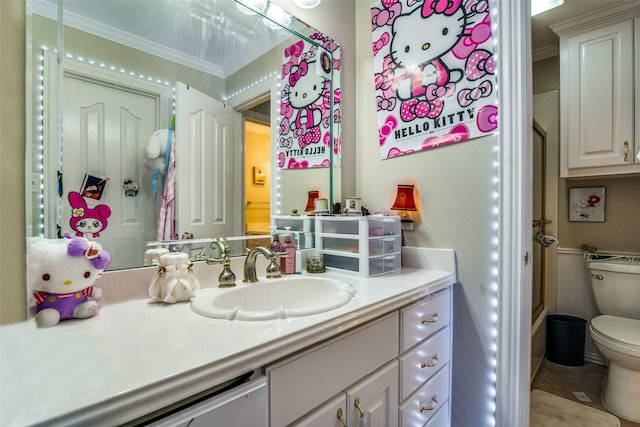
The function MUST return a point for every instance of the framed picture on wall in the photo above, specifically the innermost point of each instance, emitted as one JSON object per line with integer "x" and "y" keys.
{"x": 586, "y": 204}
{"x": 259, "y": 175}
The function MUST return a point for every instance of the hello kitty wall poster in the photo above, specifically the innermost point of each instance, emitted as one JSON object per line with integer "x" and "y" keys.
{"x": 305, "y": 139}
{"x": 434, "y": 73}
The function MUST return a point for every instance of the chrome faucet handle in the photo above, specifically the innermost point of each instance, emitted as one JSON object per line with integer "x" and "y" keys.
{"x": 273, "y": 269}
{"x": 226, "y": 279}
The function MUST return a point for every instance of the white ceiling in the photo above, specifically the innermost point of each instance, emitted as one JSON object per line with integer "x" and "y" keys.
{"x": 165, "y": 28}
{"x": 171, "y": 29}
{"x": 542, "y": 38}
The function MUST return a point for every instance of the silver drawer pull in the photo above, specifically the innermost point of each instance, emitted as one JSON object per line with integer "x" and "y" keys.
{"x": 433, "y": 319}
{"x": 431, "y": 407}
{"x": 431, "y": 364}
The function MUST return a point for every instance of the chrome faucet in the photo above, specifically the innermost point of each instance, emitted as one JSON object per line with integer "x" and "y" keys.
{"x": 273, "y": 269}
{"x": 226, "y": 279}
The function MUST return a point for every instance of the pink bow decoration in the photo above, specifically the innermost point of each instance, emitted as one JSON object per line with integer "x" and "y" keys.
{"x": 383, "y": 17}
{"x": 467, "y": 97}
{"x": 385, "y": 130}
{"x": 382, "y": 41}
{"x": 442, "y": 7}
{"x": 297, "y": 72}
{"x": 479, "y": 64}
{"x": 434, "y": 91}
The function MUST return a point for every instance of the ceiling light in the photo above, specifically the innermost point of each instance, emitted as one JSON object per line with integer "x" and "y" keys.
{"x": 539, "y": 6}
{"x": 306, "y": 4}
{"x": 278, "y": 18}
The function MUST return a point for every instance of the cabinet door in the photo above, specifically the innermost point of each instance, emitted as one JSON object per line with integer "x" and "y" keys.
{"x": 333, "y": 413}
{"x": 598, "y": 104}
{"x": 374, "y": 401}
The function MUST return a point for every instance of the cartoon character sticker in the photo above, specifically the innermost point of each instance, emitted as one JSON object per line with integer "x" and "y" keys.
{"x": 86, "y": 221}
{"x": 435, "y": 73}
{"x": 130, "y": 187}
{"x": 305, "y": 137}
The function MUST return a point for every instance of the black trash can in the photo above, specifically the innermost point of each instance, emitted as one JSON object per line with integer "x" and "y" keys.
{"x": 565, "y": 339}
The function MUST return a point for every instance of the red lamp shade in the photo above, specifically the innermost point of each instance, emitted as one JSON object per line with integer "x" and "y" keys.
{"x": 404, "y": 199}
{"x": 312, "y": 196}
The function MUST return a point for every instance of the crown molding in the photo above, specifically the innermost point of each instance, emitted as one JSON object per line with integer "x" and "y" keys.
{"x": 602, "y": 17}
{"x": 545, "y": 52}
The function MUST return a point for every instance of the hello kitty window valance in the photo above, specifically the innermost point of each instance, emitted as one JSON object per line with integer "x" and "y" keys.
{"x": 434, "y": 73}
{"x": 304, "y": 136}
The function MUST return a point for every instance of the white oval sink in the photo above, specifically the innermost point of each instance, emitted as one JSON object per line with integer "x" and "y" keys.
{"x": 291, "y": 296}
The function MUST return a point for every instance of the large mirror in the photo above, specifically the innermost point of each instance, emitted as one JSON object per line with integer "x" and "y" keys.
{"x": 140, "y": 112}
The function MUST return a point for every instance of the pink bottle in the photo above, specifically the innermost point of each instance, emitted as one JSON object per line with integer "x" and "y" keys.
{"x": 288, "y": 264}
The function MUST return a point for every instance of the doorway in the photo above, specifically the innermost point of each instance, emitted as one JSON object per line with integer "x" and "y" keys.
{"x": 258, "y": 169}
{"x": 545, "y": 218}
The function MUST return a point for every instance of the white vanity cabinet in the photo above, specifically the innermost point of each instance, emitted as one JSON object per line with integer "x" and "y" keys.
{"x": 425, "y": 360}
{"x": 367, "y": 245}
{"x": 394, "y": 371}
{"x": 599, "y": 93}
{"x": 306, "y": 387}
{"x": 241, "y": 406}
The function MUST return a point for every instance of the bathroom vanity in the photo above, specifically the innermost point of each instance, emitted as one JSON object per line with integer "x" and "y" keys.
{"x": 382, "y": 357}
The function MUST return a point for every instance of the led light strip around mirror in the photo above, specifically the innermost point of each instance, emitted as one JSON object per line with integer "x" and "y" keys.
{"x": 38, "y": 154}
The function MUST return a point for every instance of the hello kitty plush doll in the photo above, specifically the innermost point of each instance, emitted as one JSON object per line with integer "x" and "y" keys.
{"x": 61, "y": 275}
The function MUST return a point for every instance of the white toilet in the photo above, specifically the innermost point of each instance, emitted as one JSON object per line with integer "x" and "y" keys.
{"x": 616, "y": 332}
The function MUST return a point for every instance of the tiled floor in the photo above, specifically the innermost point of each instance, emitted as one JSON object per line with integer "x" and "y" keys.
{"x": 564, "y": 380}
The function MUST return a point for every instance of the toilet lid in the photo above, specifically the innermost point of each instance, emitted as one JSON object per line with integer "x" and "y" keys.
{"x": 620, "y": 329}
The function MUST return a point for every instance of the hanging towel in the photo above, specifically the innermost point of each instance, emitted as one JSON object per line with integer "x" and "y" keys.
{"x": 166, "y": 221}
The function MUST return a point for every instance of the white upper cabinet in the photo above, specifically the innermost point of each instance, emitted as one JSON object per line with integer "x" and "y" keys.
{"x": 599, "y": 95}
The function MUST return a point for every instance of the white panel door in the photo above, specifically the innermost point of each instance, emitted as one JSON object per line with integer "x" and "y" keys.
{"x": 208, "y": 195}
{"x": 374, "y": 401}
{"x": 105, "y": 131}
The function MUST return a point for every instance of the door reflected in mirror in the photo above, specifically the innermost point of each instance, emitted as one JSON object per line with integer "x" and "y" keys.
{"x": 151, "y": 99}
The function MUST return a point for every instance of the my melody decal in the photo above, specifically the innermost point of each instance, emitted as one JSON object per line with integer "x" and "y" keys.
{"x": 434, "y": 73}
{"x": 305, "y": 139}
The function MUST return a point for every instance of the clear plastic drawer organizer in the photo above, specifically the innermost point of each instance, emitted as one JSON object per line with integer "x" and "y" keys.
{"x": 368, "y": 245}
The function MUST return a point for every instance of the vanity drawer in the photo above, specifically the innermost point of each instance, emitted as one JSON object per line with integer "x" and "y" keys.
{"x": 424, "y": 404}
{"x": 370, "y": 266}
{"x": 385, "y": 245}
{"x": 440, "y": 418}
{"x": 421, "y": 363}
{"x": 297, "y": 223}
{"x": 384, "y": 226}
{"x": 423, "y": 319}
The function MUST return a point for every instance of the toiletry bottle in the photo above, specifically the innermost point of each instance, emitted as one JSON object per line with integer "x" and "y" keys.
{"x": 288, "y": 264}
{"x": 298, "y": 255}
{"x": 275, "y": 244}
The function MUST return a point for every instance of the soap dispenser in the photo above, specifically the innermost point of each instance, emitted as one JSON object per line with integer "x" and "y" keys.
{"x": 288, "y": 264}
{"x": 275, "y": 242}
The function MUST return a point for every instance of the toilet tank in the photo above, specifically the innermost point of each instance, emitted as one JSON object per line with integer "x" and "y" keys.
{"x": 616, "y": 286}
